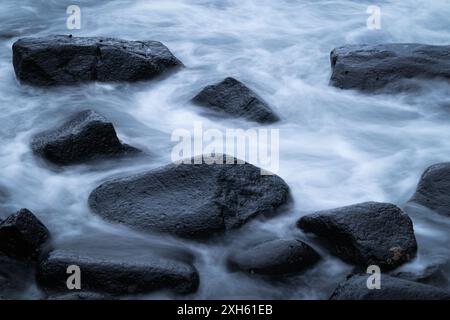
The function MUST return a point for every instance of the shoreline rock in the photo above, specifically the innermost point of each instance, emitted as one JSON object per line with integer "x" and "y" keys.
{"x": 116, "y": 275}
{"x": 388, "y": 67}
{"x": 433, "y": 189}
{"x": 190, "y": 200}
{"x": 67, "y": 60}
{"x": 23, "y": 236}
{"x": 232, "y": 98}
{"x": 355, "y": 288}
{"x": 275, "y": 257}
{"x": 84, "y": 137}
{"x": 365, "y": 234}
{"x": 432, "y": 275}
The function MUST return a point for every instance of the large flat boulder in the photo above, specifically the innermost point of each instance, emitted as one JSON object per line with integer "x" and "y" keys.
{"x": 86, "y": 136}
{"x": 83, "y": 295}
{"x": 67, "y": 60}
{"x": 365, "y": 234}
{"x": 190, "y": 200}
{"x": 116, "y": 274}
{"x": 275, "y": 257}
{"x": 433, "y": 190}
{"x": 23, "y": 236}
{"x": 232, "y": 98}
{"x": 388, "y": 66}
{"x": 355, "y": 288}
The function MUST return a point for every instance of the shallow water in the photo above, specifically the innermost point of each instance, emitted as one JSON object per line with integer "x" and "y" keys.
{"x": 336, "y": 147}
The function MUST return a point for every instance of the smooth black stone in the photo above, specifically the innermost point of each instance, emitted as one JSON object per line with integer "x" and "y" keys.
{"x": 23, "y": 236}
{"x": 86, "y": 136}
{"x": 232, "y": 98}
{"x": 190, "y": 200}
{"x": 385, "y": 67}
{"x": 117, "y": 275}
{"x": 66, "y": 60}
{"x": 365, "y": 234}
{"x": 276, "y": 257}
{"x": 355, "y": 288}
{"x": 433, "y": 190}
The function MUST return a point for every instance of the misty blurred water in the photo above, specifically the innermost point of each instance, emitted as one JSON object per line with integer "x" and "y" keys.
{"x": 336, "y": 147}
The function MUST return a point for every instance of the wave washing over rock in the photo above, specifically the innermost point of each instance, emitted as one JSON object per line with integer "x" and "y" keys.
{"x": 87, "y": 180}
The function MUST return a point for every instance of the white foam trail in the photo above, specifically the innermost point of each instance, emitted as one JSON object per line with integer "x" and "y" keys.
{"x": 337, "y": 147}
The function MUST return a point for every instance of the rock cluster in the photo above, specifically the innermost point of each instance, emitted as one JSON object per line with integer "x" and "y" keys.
{"x": 203, "y": 199}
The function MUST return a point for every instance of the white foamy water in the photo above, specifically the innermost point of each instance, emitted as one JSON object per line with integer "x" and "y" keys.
{"x": 336, "y": 147}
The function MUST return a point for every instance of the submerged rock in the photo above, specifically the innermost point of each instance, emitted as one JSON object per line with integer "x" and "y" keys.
{"x": 66, "y": 60}
{"x": 433, "y": 190}
{"x": 190, "y": 200}
{"x": 84, "y": 137}
{"x": 365, "y": 234}
{"x": 117, "y": 274}
{"x": 355, "y": 288}
{"x": 275, "y": 257}
{"x": 23, "y": 236}
{"x": 15, "y": 277}
{"x": 233, "y": 98}
{"x": 387, "y": 66}
{"x": 432, "y": 275}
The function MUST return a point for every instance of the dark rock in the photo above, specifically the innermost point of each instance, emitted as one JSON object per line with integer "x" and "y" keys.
{"x": 275, "y": 257}
{"x": 117, "y": 274}
{"x": 432, "y": 275}
{"x": 355, "y": 288}
{"x": 365, "y": 234}
{"x": 23, "y": 236}
{"x": 66, "y": 60}
{"x": 190, "y": 200}
{"x": 84, "y": 137}
{"x": 233, "y": 98}
{"x": 433, "y": 190}
{"x": 387, "y": 66}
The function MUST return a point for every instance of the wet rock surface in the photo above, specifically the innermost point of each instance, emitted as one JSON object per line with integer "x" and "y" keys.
{"x": 85, "y": 137}
{"x": 232, "y": 98}
{"x": 365, "y": 234}
{"x": 23, "y": 236}
{"x": 433, "y": 190}
{"x": 190, "y": 200}
{"x": 275, "y": 257}
{"x": 67, "y": 60}
{"x": 355, "y": 288}
{"x": 116, "y": 274}
{"x": 387, "y": 67}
